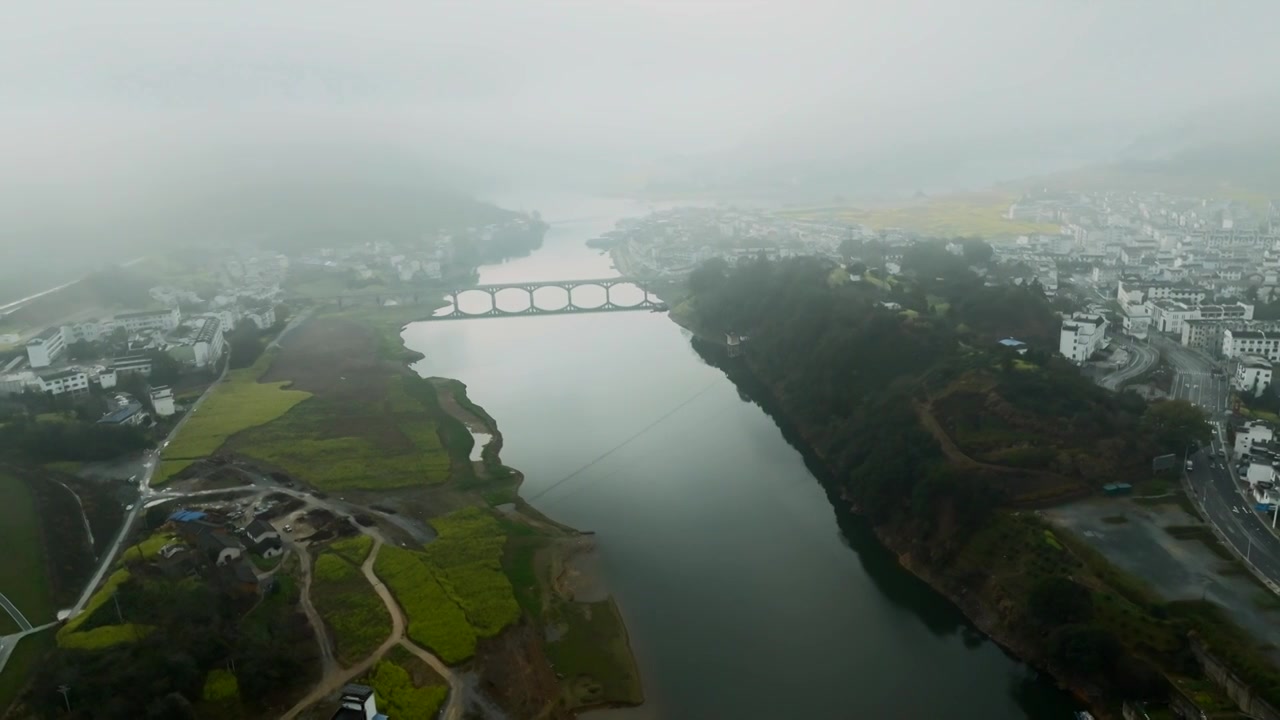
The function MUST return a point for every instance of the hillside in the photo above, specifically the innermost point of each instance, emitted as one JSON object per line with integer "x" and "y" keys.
{"x": 943, "y": 439}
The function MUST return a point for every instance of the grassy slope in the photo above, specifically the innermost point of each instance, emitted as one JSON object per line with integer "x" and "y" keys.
{"x": 21, "y": 662}
{"x": 239, "y": 403}
{"x": 22, "y": 574}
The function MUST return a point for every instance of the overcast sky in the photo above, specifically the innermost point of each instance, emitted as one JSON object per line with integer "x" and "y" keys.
{"x": 112, "y": 105}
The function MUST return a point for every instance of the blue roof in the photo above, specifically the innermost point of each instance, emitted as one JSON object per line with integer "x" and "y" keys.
{"x": 187, "y": 516}
{"x": 119, "y": 415}
{"x": 1010, "y": 342}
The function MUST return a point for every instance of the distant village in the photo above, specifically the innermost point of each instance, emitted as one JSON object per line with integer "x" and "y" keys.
{"x": 95, "y": 351}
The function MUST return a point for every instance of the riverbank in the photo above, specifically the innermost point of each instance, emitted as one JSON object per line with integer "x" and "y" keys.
{"x": 976, "y": 608}
{"x": 573, "y": 636}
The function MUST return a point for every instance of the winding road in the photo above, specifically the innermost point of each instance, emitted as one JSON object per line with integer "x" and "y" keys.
{"x": 1142, "y": 357}
{"x": 333, "y": 679}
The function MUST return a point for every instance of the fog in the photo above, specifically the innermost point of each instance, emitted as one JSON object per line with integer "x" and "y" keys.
{"x": 126, "y": 121}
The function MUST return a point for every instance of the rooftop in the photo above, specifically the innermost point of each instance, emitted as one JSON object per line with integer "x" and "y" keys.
{"x": 119, "y": 415}
{"x": 61, "y": 375}
{"x": 45, "y": 335}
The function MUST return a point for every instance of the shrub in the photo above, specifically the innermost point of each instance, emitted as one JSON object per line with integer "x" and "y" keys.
{"x": 220, "y": 685}
{"x": 402, "y": 699}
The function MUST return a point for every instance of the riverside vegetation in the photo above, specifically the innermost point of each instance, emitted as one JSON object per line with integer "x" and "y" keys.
{"x": 340, "y": 390}
{"x": 946, "y": 441}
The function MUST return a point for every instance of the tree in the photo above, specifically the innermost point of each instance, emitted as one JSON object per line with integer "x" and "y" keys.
{"x": 1175, "y": 424}
{"x": 1086, "y": 649}
{"x": 976, "y": 251}
{"x": 1060, "y": 601}
{"x": 164, "y": 369}
{"x": 709, "y": 276}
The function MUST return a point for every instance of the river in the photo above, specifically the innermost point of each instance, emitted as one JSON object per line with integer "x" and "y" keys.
{"x": 747, "y": 592}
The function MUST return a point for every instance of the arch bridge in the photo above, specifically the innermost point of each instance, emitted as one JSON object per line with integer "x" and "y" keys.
{"x": 571, "y": 305}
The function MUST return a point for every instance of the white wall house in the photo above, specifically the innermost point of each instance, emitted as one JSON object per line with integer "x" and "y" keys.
{"x": 66, "y": 381}
{"x": 1251, "y": 433}
{"x": 46, "y": 347}
{"x": 149, "y": 320}
{"x": 1081, "y": 336}
{"x": 162, "y": 400}
{"x": 1236, "y": 343}
{"x": 1253, "y": 374}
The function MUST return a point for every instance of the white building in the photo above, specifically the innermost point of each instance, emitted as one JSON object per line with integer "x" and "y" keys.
{"x": 65, "y": 381}
{"x": 1136, "y": 320}
{"x": 17, "y": 383}
{"x": 208, "y": 342}
{"x": 85, "y": 330}
{"x": 44, "y": 348}
{"x": 132, "y": 364}
{"x": 1168, "y": 316}
{"x": 1236, "y": 343}
{"x": 1253, "y": 374}
{"x": 263, "y": 319}
{"x": 1251, "y": 433}
{"x": 162, "y": 400}
{"x": 1081, "y": 336}
{"x": 149, "y": 320}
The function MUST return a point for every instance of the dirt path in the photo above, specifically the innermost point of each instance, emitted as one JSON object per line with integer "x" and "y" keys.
{"x": 1072, "y": 488}
{"x": 333, "y": 680}
{"x": 329, "y": 664}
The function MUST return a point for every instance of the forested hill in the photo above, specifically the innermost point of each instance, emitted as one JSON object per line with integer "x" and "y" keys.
{"x": 900, "y": 385}
{"x": 941, "y": 436}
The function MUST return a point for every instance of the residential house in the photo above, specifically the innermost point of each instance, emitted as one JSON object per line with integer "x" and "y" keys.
{"x": 46, "y": 347}
{"x": 131, "y": 413}
{"x": 1236, "y": 343}
{"x": 357, "y": 702}
{"x": 1249, "y": 434}
{"x": 220, "y": 547}
{"x": 1253, "y": 374}
{"x": 1081, "y": 336}
{"x": 264, "y": 538}
{"x": 65, "y": 381}
{"x": 162, "y": 400}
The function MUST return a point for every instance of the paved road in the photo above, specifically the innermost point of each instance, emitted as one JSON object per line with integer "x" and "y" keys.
{"x": 146, "y": 491}
{"x": 1195, "y": 379}
{"x": 15, "y": 613}
{"x": 1218, "y": 493}
{"x": 1142, "y": 357}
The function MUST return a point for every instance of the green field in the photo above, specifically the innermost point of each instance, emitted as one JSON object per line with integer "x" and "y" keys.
{"x": 455, "y": 591}
{"x": 23, "y": 576}
{"x": 21, "y": 662}
{"x": 968, "y": 214}
{"x": 406, "y": 687}
{"x": 354, "y": 613}
{"x": 371, "y": 443}
{"x": 593, "y": 654}
{"x": 239, "y": 403}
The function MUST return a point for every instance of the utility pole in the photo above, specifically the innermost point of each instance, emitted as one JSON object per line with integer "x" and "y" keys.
{"x": 64, "y": 689}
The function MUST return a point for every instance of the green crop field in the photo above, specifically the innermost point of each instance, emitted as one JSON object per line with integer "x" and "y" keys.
{"x": 239, "y": 403}
{"x": 23, "y": 576}
{"x": 376, "y": 443}
{"x": 455, "y": 591}
{"x": 435, "y": 621}
{"x": 399, "y": 696}
{"x": 350, "y": 607}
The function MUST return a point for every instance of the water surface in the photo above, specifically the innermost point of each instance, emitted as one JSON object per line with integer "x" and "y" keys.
{"x": 747, "y": 592}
